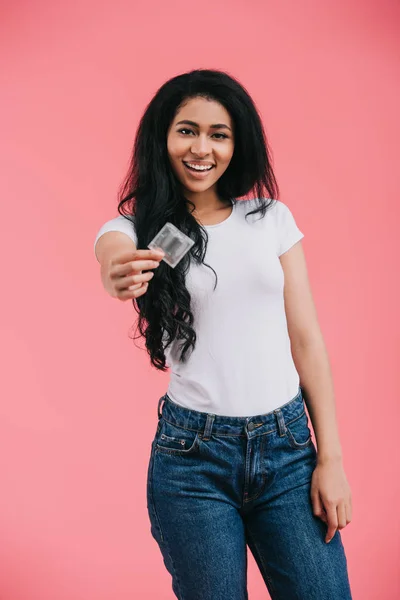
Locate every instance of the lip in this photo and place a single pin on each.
(198, 174)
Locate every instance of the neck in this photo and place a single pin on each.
(205, 202)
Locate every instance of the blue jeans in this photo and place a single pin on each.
(217, 484)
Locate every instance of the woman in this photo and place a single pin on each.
(232, 461)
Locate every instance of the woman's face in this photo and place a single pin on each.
(200, 135)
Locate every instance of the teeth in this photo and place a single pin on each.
(198, 167)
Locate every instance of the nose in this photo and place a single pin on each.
(201, 146)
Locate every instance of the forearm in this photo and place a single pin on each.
(109, 246)
(112, 244)
(312, 364)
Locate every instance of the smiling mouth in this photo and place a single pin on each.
(198, 168)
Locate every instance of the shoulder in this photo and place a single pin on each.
(120, 223)
(281, 213)
(276, 210)
(273, 207)
(277, 217)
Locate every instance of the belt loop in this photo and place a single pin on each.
(158, 407)
(208, 427)
(281, 422)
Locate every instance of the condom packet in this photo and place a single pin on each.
(173, 243)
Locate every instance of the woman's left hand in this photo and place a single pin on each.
(331, 496)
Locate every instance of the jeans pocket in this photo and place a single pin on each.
(172, 439)
(298, 432)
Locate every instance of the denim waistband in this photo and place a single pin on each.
(219, 424)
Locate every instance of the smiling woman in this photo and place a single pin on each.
(232, 460)
(201, 153)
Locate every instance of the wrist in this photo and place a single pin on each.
(329, 457)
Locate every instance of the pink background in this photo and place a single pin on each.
(78, 400)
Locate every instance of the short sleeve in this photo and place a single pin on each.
(288, 232)
(121, 224)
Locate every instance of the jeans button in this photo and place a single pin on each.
(251, 426)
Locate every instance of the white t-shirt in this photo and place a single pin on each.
(242, 363)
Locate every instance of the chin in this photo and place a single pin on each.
(198, 188)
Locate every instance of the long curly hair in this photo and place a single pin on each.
(151, 195)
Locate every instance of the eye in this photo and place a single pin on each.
(184, 129)
(221, 136)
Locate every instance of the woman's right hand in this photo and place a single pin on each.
(128, 274)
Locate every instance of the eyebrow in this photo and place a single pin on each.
(216, 126)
